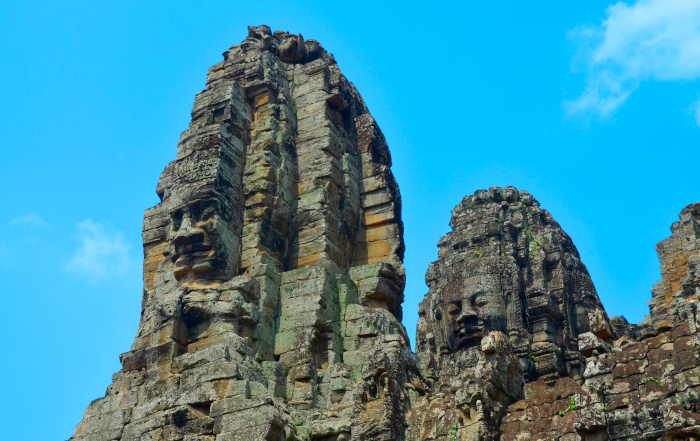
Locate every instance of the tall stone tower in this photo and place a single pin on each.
(273, 275)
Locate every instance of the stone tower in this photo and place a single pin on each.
(273, 275)
(508, 266)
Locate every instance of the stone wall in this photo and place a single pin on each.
(632, 390)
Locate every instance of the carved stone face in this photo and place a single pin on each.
(197, 254)
(291, 48)
(473, 308)
(259, 38)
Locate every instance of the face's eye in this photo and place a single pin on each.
(196, 211)
(207, 213)
(454, 308)
(480, 302)
(177, 219)
(202, 211)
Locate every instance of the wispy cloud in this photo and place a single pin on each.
(29, 219)
(102, 254)
(655, 40)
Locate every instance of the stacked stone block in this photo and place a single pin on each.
(680, 264)
(381, 237)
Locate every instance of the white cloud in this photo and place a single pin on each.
(656, 40)
(29, 219)
(102, 254)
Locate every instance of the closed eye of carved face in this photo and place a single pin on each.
(480, 301)
(197, 212)
(208, 213)
(454, 308)
(177, 219)
(202, 211)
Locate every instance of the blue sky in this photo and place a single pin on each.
(591, 107)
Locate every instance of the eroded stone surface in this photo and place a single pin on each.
(273, 285)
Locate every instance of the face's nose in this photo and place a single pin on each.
(468, 313)
(187, 234)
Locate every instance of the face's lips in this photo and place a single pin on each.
(468, 333)
(470, 330)
(206, 265)
(191, 251)
(182, 265)
(468, 340)
(187, 258)
(186, 262)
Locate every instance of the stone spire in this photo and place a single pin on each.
(273, 275)
(508, 266)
